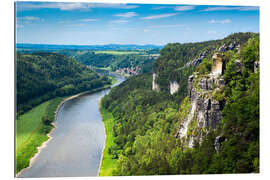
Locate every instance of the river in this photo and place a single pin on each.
(76, 145)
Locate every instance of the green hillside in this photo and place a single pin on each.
(42, 76)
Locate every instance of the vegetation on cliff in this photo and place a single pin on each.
(172, 63)
(146, 121)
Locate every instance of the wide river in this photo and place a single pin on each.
(76, 146)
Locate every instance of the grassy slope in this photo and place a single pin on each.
(28, 123)
(29, 134)
(108, 164)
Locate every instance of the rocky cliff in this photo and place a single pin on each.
(218, 65)
(205, 112)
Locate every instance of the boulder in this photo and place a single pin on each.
(256, 66)
(238, 65)
(218, 141)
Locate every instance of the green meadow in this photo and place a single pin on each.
(31, 132)
(108, 163)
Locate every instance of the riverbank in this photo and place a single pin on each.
(107, 162)
(38, 139)
(31, 133)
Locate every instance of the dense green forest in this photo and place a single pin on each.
(146, 121)
(125, 59)
(43, 76)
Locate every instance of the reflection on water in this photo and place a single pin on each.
(77, 142)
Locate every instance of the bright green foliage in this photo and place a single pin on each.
(204, 67)
(250, 53)
(108, 162)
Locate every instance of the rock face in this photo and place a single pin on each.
(198, 60)
(205, 111)
(256, 66)
(208, 110)
(155, 86)
(217, 64)
(174, 86)
(231, 46)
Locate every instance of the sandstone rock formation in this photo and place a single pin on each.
(217, 64)
(174, 86)
(155, 86)
(205, 111)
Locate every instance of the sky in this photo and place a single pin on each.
(73, 23)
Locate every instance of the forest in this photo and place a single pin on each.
(43, 76)
(114, 60)
(146, 121)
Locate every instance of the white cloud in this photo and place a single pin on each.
(65, 6)
(184, 8)
(26, 20)
(75, 25)
(160, 16)
(88, 20)
(78, 20)
(212, 32)
(159, 7)
(127, 15)
(225, 21)
(146, 30)
(167, 26)
(224, 8)
(119, 21)
(29, 18)
(19, 25)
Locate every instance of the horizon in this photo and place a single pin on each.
(130, 44)
(75, 23)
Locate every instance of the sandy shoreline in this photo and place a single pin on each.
(44, 144)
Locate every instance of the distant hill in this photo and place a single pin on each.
(54, 47)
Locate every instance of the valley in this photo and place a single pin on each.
(171, 114)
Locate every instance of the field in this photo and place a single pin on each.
(108, 164)
(31, 133)
(117, 52)
(28, 123)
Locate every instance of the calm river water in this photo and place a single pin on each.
(76, 145)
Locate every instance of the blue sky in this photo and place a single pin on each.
(97, 23)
